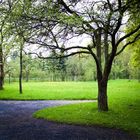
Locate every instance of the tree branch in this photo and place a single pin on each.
(57, 57)
(130, 42)
(73, 12)
(110, 6)
(66, 7)
(127, 35)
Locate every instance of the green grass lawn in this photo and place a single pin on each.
(50, 91)
(124, 109)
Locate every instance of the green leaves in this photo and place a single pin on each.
(70, 20)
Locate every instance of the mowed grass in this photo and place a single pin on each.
(50, 91)
(124, 109)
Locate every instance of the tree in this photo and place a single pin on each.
(5, 32)
(3, 15)
(18, 34)
(101, 21)
(53, 66)
(21, 65)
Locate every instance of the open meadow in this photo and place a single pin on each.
(50, 91)
(117, 89)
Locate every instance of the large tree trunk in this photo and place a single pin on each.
(102, 77)
(102, 95)
(1, 69)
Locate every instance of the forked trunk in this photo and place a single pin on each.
(102, 96)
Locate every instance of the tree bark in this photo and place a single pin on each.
(1, 69)
(102, 77)
(20, 74)
(102, 96)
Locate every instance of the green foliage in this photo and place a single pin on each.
(134, 22)
(135, 61)
(66, 69)
(136, 57)
(83, 70)
(71, 20)
(124, 110)
(121, 67)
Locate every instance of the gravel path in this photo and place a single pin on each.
(16, 123)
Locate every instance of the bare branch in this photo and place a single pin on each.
(128, 43)
(127, 35)
(57, 57)
(119, 4)
(110, 6)
(118, 25)
(66, 7)
(73, 12)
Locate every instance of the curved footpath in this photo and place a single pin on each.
(17, 123)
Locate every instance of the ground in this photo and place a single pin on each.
(17, 123)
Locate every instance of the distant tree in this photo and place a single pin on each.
(62, 65)
(77, 71)
(56, 67)
(27, 66)
(72, 68)
(120, 68)
(12, 66)
(134, 21)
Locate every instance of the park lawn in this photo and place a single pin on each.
(124, 109)
(50, 91)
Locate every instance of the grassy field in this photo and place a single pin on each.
(124, 109)
(50, 91)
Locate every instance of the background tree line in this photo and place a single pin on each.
(65, 69)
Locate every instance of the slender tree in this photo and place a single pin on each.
(21, 65)
(6, 8)
(4, 15)
(1, 63)
(2, 23)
